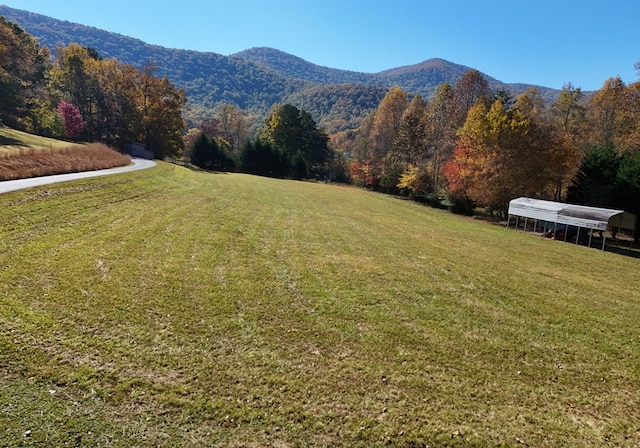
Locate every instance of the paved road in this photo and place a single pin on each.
(19, 184)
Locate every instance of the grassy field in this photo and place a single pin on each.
(12, 140)
(168, 307)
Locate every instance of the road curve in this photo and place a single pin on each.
(19, 184)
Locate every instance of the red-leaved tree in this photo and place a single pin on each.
(72, 119)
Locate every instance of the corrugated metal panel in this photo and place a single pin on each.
(542, 215)
(534, 208)
(582, 222)
(590, 213)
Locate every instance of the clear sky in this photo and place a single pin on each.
(548, 43)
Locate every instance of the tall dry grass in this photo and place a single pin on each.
(44, 162)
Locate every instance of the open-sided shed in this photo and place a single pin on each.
(567, 215)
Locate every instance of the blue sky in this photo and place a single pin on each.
(545, 42)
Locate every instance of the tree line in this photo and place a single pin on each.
(290, 144)
(468, 146)
(79, 96)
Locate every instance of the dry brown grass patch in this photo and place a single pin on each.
(44, 162)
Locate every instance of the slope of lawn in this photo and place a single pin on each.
(11, 140)
(175, 308)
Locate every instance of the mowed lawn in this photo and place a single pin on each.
(170, 307)
(12, 140)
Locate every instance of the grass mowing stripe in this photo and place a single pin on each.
(169, 307)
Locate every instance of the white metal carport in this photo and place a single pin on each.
(579, 216)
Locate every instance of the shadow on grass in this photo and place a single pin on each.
(203, 170)
(10, 141)
(620, 247)
(621, 250)
(624, 246)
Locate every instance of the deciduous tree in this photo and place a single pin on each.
(381, 157)
(233, 125)
(569, 112)
(73, 81)
(440, 132)
(542, 152)
(410, 142)
(118, 117)
(604, 112)
(496, 159)
(71, 118)
(163, 120)
(628, 138)
(472, 88)
(568, 115)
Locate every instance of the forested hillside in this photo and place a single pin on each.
(340, 106)
(422, 78)
(297, 68)
(255, 79)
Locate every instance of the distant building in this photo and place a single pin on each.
(135, 149)
(568, 219)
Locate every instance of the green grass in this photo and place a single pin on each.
(168, 307)
(12, 140)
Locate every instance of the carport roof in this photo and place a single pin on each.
(575, 215)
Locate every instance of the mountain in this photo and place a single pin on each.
(297, 68)
(257, 78)
(422, 78)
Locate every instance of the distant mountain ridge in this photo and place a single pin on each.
(295, 67)
(420, 78)
(256, 78)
